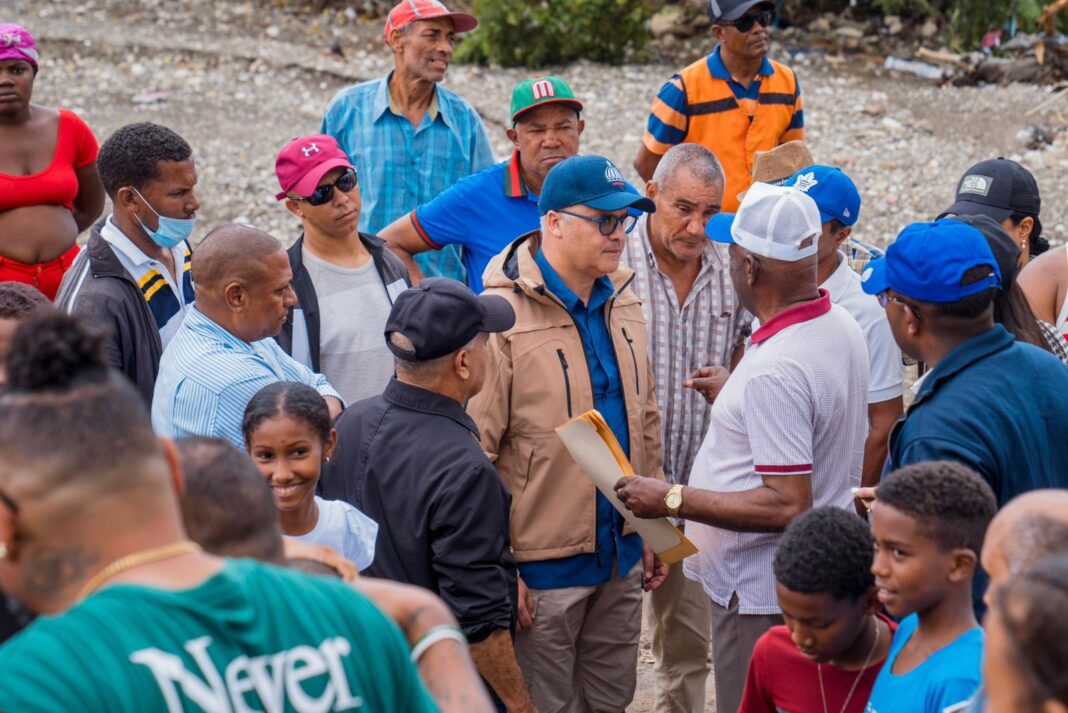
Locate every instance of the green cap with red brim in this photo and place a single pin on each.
(538, 91)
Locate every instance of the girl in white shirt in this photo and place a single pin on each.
(288, 435)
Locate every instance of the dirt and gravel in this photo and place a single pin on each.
(239, 79)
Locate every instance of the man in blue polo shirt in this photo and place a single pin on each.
(988, 401)
(485, 212)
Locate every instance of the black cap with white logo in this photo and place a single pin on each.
(996, 188)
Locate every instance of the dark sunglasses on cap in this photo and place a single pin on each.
(745, 22)
(325, 193)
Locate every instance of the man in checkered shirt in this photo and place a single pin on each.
(696, 324)
(787, 430)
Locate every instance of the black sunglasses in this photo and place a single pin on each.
(325, 193)
(745, 23)
(607, 224)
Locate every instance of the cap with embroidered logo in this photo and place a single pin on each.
(774, 221)
(928, 262)
(538, 91)
(834, 192)
(409, 11)
(996, 188)
(592, 181)
(304, 161)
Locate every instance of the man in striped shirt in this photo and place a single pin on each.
(223, 353)
(734, 102)
(695, 322)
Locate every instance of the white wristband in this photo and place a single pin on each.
(436, 635)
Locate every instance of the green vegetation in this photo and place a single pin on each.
(536, 33)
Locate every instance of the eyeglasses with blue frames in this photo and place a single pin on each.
(325, 193)
(607, 224)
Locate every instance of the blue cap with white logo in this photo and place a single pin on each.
(834, 192)
(592, 181)
(928, 262)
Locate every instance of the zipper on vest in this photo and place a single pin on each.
(633, 358)
(567, 380)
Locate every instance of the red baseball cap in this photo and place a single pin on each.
(408, 11)
(304, 161)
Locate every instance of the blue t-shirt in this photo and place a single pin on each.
(614, 553)
(943, 683)
(483, 213)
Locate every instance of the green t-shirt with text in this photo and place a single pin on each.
(251, 638)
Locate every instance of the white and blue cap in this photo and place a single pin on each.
(774, 221)
(834, 192)
(928, 262)
(592, 181)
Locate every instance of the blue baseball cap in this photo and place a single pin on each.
(718, 227)
(834, 192)
(592, 181)
(928, 261)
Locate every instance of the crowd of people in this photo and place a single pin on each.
(327, 477)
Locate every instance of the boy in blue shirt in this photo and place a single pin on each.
(928, 524)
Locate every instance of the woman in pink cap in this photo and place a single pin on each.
(49, 187)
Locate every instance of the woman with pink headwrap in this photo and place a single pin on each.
(49, 187)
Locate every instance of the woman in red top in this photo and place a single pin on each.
(49, 187)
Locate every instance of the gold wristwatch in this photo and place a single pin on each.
(673, 499)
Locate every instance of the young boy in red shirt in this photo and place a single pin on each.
(828, 654)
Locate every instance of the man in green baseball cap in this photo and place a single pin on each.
(483, 213)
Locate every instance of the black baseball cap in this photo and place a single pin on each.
(1006, 251)
(732, 10)
(996, 188)
(440, 316)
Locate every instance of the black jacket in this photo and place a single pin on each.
(98, 288)
(411, 460)
(304, 318)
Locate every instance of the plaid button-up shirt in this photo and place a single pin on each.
(400, 166)
(703, 331)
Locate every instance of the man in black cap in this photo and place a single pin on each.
(410, 458)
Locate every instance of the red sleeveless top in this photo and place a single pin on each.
(57, 184)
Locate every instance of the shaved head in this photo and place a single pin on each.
(231, 253)
(1028, 529)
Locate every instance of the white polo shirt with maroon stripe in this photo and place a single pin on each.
(795, 405)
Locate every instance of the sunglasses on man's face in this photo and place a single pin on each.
(745, 23)
(325, 193)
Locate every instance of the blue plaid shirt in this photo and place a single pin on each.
(207, 376)
(401, 167)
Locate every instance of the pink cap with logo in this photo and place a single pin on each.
(16, 42)
(304, 161)
(408, 11)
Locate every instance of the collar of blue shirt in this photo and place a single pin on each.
(438, 108)
(719, 70)
(965, 355)
(203, 325)
(602, 288)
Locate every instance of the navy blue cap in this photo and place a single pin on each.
(928, 261)
(996, 188)
(834, 192)
(592, 181)
(718, 227)
(441, 316)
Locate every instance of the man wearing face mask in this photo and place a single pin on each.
(133, 277)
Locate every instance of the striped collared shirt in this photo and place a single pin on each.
(401, 166)
(207, 376)
(703, 331)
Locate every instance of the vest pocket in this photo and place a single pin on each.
(634, 360)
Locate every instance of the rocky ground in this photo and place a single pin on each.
(239, 79)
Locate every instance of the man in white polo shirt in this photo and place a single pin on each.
(787, 430)
(837, 198)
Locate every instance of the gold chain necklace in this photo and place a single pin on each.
(853, 688)
(136, 559)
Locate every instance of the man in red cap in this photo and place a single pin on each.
(408, 137)
(345, 280)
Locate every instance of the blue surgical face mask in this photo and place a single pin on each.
(171, 231)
